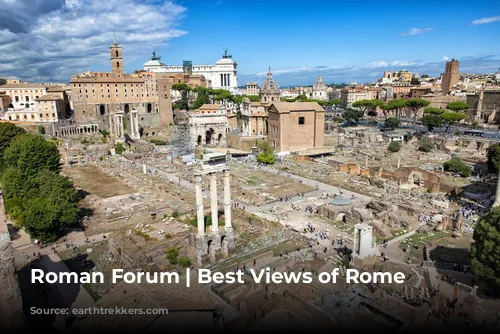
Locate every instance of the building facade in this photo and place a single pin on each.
(254, 118)
(98, 95)
(351, 94)
(222, 75)
(450, 76)
(319, 90)
(295, 126)
(484, 107)
(208, 125)
(252, 88)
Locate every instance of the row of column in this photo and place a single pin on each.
(200, 211)
(225, 80)
(78, 130)
(117, 128)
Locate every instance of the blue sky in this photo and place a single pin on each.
(342, 40)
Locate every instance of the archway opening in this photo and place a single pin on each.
(219, 139)
(199, 140)
(149, 108)
(126, 108)
(11, 105)
(209, 136)
(102, 110)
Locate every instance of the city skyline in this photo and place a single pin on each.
(49, 41)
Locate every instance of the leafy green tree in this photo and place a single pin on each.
(452, 118)
(352, 115)
(426, 146)
(435, 111)
(458, 166)
(8, 132)
(432, 121)
(201, 99)
(180, 87)
(415, 105)
(386, 109)
(334, 102)
(31, 153)
(183, 103)
(424, 76)
(264, 146)
(397, 105)
(457, 106)
(493, 156)
(253, 98)
(367, 105)
(224, 95)
(392, 122)
(415, 81)
(266, 158)
(485, 251)
(394, 146)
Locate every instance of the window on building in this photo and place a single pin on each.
(53, 115)
(41, 115)
(117, 64)
(116, 53)
(32, 116)
(16, 98)
(301, 120)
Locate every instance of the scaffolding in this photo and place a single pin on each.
(182, 139)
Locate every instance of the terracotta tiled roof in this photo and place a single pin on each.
(286, 107)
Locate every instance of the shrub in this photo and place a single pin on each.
(41, 130)
(172, 255)
(184, 262)
(175, 214)
(142, 234)
(266, 158)
(158, 142)
(394, 146)
(426, 146)
(458, 166)
(119, 149)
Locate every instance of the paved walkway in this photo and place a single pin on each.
(74, 295)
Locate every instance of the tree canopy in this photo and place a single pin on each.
(8, 132)
(425, 146)
(458, 166)
(494, 158)
(365, 105)
(180, 87)
(352, 115)
(392, 122)
(485, 251)
(457, 106)
(432, 110)
(452, 118)
(432, 121)
(36, 196)
(394, 146)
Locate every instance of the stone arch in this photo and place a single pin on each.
(209, 136)
(341, 217)
(126, 108)
(11, 105)
(199, 141)
(102, 110)
(149, 108)
(219, 138)
(211, 250)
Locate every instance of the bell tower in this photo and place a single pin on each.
(116, 59)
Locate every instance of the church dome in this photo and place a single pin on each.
(270, 85)
(319, 85)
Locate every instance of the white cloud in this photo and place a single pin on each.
(396, 63)
(368, 72)
(416, 31)
(446, 58)
(74, 36)
(485, 20)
